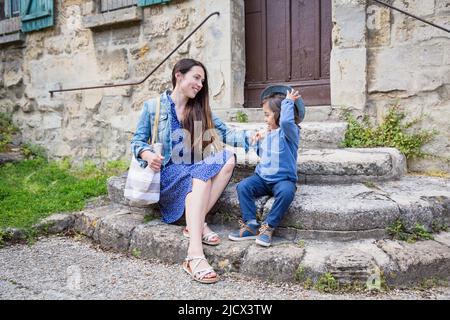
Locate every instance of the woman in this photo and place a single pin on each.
(193, 175)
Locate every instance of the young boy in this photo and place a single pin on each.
(276, 174)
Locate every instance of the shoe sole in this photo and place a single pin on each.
(232, 238)
(262, 243)
(204, 241)
(205, 281)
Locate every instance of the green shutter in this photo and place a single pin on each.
(36, 14)
(144, 3)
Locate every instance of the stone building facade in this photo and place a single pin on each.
(378, 58)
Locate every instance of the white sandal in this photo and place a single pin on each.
(199, 275)
(207, 238)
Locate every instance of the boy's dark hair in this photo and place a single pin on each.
(274, 104)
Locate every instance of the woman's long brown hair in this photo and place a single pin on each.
(197, 109)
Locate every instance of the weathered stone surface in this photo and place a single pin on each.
(349, 207)
(323, 235)
(12, 75)
(114, 231)
(335, 166)
(350, 23)
(423, 200)
(367, 262)
(56, 223)
(416, 261)
(114, 63)
(346, 213)
(228, 256)
(11, 157)
(156, 240)
(349, 262)
(348, 69)
(87, 220)
(277, 263)
(443, 238)
(350, 266)
(378, 25)
(131, 14)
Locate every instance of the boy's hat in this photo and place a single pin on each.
(282, 89)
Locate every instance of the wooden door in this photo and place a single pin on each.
(288, 42)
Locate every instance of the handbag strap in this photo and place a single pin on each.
(155, 126)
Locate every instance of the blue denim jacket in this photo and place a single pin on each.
(144, 130)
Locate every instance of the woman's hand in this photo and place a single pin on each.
(293, 95)
(258, 136)
(154, 160)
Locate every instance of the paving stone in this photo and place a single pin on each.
(276, 263)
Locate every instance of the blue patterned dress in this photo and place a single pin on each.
(176, 178)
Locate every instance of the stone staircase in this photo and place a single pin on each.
(345, 201)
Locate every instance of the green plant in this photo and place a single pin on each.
(308, 283)
(31, 190)
(420, 233)
(300, 273)
(301, 243)
(148, 218)
(398, 231)
(32, 151)
(241, 117)
(7, 129)
(136, 252)
(3, 237)
(437, 227)
(327, 283)
(391, 132)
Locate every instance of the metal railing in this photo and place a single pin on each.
(182, 42)
(151, 72)
(411, 15)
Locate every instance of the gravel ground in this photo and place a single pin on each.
(74, 268)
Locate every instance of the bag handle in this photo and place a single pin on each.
(155, 126)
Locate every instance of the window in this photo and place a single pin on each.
(111, 5)
(9, 9)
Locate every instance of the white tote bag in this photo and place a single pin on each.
(143, 184)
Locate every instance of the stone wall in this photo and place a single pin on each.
(383, 58)
(80, 51)
(379, 58)
(409, 65)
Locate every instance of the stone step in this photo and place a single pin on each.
(367, 262)
(344, 213)
(13, 156)
(313, 113)
(313, 134)
(335, 166)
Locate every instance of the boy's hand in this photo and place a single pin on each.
(293, 95)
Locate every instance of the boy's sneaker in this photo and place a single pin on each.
(247, 231)
(265, 235)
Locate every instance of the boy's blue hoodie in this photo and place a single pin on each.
(278, 150)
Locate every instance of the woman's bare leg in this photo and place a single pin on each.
(196, 204)
(220, 181)
(218, 184)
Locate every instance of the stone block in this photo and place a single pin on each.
(115, 230)
(350, 24)
(277, 263)
(348, 69)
